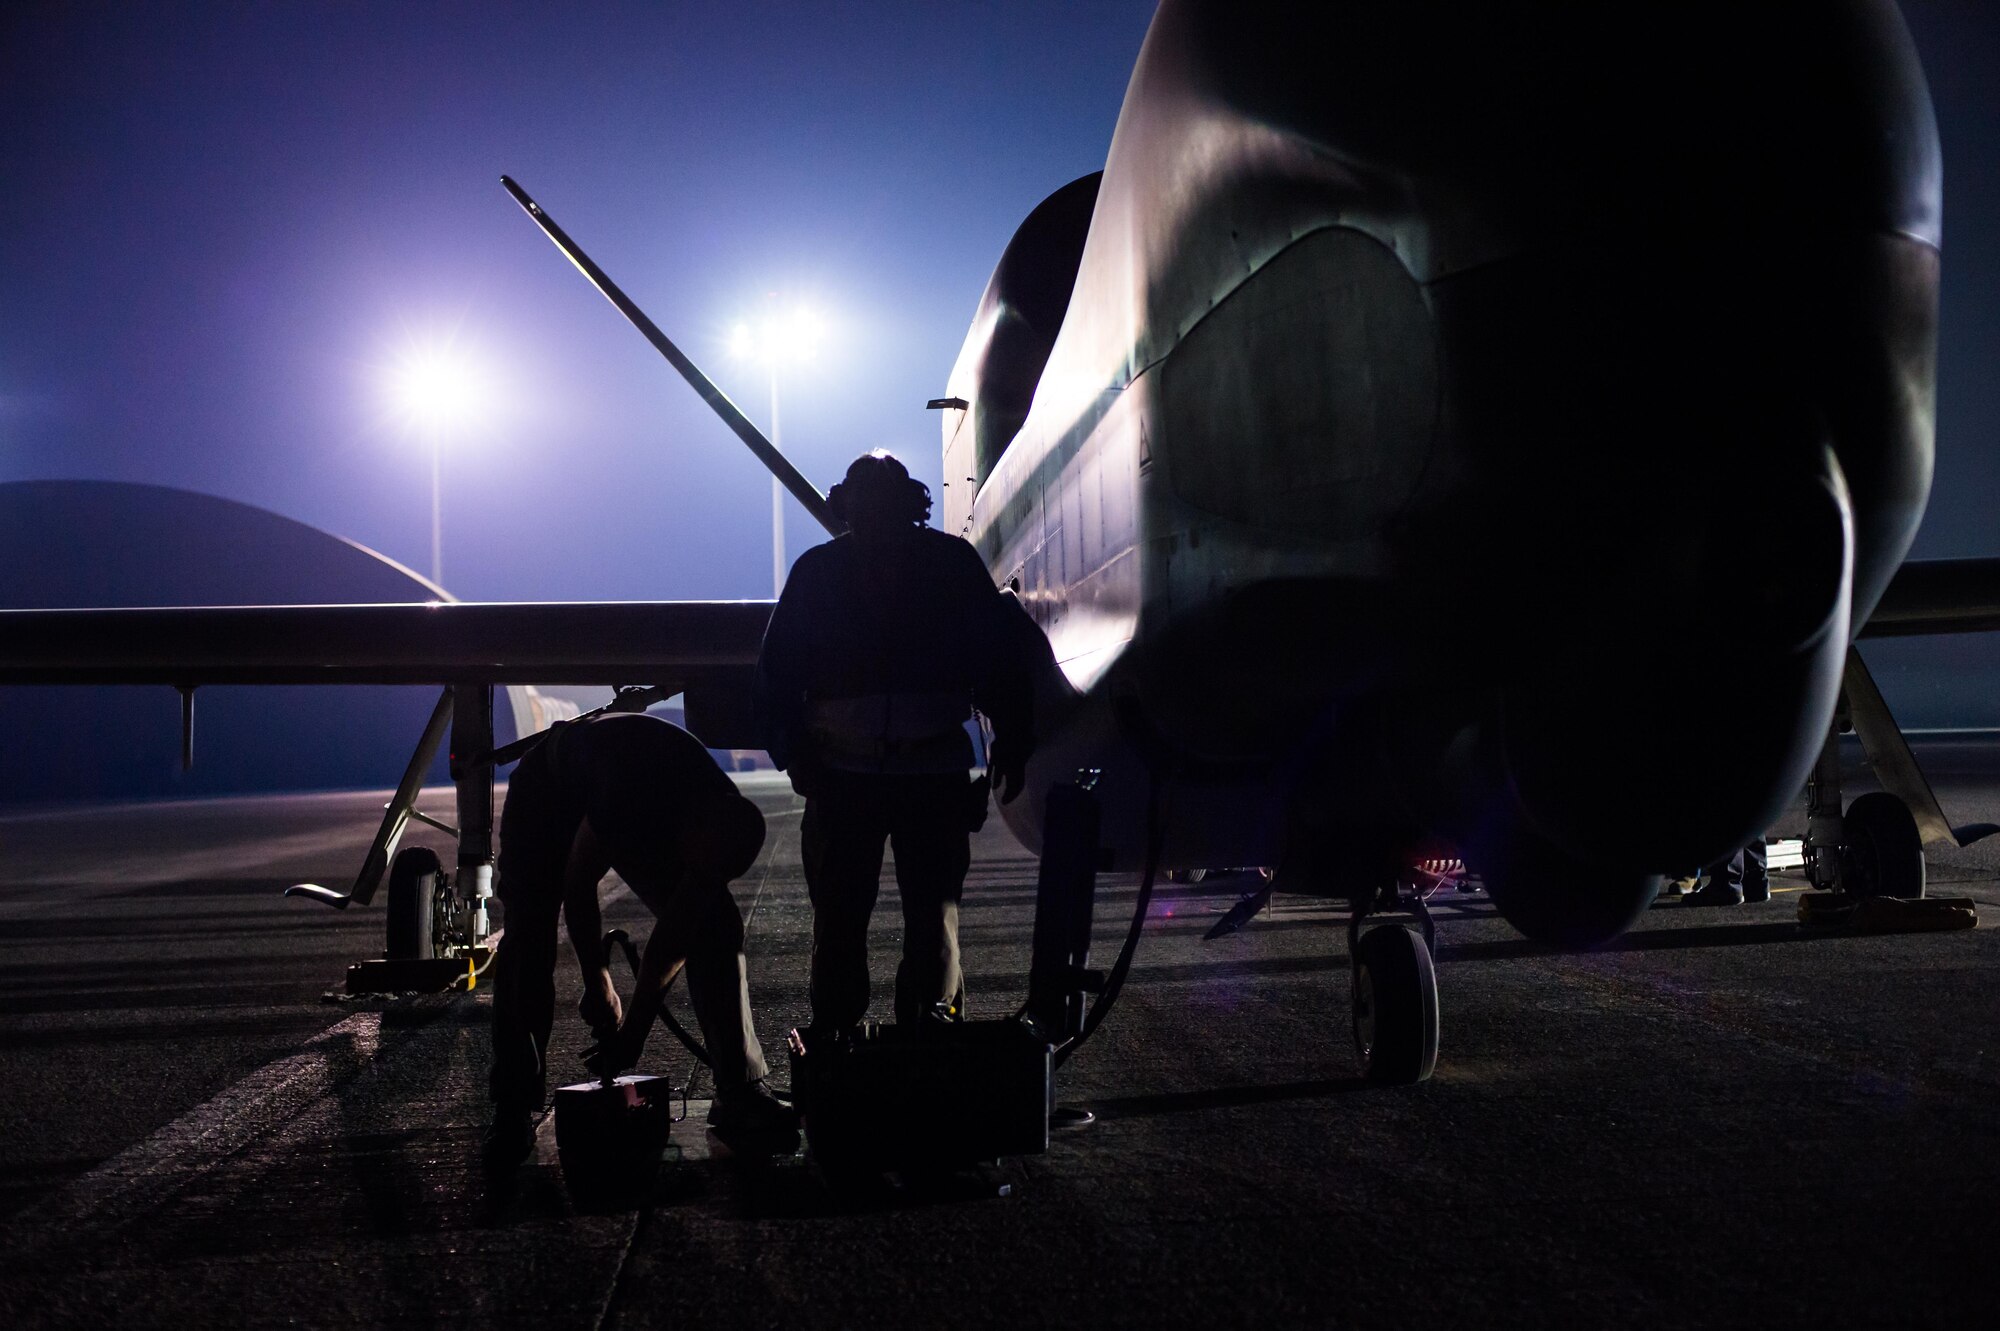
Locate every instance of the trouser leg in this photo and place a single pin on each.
(841, 842)
(719, 988)
(535, 835)
(1756, 871)
(1727, 873)
(933, 851)
(524, 995)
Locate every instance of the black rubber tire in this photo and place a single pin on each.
(1885, 852)
(413, 882)
(1395, 1007)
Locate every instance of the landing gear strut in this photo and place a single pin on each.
(437, 922)
(1395, 991)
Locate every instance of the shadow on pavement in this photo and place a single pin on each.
(1649, 940)
(1223, 1097)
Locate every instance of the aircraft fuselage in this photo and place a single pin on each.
(1486, 430)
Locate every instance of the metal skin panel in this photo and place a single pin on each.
(1433, 379)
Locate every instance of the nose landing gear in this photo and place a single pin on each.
(1395, 991)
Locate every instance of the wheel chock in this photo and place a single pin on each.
(1886, 915)
(416, 975)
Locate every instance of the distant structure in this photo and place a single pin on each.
(111, 543)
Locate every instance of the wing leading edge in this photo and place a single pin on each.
(582, 642)
(1939, 596)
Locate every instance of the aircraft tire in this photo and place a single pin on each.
(1395, 1007)
(413, 880)
(1885, 852)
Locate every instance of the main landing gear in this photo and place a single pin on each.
(437, 925)
(1395, 989)
(1874, 849)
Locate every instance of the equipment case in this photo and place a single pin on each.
(928, 1096)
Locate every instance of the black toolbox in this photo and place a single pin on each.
(932, 1095)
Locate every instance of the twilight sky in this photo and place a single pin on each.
(226, 223)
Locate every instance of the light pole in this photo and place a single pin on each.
(437, 504)
(776, 341)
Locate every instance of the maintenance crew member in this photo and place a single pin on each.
(883, 642)
(1735, 879)
(640, 795)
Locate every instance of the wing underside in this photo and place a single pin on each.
(608, 642)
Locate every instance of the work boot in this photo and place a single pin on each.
(510, 1138)
(749, 1120)
(1713, 893)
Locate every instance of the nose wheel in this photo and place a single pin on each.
(1395, 1002)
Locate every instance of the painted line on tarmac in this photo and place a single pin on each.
(148, 1174)
(151, 1172)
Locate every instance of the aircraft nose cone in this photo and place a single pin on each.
(1678, 732)
(1770, 564)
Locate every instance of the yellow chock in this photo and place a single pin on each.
(1886, 915)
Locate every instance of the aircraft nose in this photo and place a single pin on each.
(1769, 563)
(1678, 731)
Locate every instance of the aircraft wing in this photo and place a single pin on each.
(1938, 596)
(583, 642)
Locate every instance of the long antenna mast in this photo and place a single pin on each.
(780, 466)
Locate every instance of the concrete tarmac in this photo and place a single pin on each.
(1719, 1120)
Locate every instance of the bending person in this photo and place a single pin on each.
(642, 796)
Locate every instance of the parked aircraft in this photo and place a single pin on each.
(1362, 438)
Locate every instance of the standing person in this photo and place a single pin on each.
(637, 794)
(880, 647)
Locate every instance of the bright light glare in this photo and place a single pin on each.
(792, 337)
(440, 388)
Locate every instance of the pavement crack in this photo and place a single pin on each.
(614, 1297)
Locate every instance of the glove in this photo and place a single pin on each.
(599, 1006)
